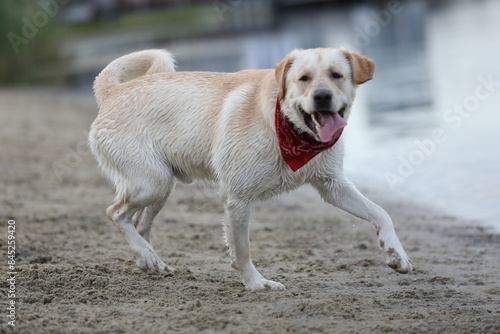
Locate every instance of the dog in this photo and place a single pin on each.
(256, 133)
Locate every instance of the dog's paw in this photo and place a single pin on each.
(170, 269)
(148, 260)
(398, 260)
(262, 283)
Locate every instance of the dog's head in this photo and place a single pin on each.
(316, 88)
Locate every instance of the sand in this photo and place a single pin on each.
(75, 273)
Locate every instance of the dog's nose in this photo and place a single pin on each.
(323, 95)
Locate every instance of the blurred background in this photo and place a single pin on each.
(425, 129)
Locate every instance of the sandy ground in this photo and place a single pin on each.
(76, 274)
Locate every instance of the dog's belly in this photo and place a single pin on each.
(190, 170)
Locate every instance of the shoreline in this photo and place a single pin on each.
(412, 197)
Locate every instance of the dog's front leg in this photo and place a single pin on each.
(344, 195)
(236, 228)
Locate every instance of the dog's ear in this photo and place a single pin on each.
(362, 67)
(281, 71)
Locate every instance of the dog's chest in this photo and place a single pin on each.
(273, 182)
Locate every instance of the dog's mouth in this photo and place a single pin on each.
(325, 123)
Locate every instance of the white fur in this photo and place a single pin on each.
(156, 127)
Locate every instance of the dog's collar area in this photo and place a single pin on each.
(298, 149)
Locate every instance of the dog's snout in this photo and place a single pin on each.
(323, 95)
(323, 98)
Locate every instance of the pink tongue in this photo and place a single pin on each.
(329, 124)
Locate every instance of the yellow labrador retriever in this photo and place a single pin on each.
(257, 133)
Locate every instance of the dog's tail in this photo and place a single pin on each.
(130, 67)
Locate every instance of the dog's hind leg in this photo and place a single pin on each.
(236, 230)
(140, 197)
(121, 214)
(143, 179)
(143, 219)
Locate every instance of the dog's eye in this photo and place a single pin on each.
(336, 75)
(304, 78)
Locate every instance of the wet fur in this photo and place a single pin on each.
(156, 126)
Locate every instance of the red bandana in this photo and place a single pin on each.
(297, 150)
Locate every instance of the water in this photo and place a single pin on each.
(407, 136)
(426, 127)
(456, 77)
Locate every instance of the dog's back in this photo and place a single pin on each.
(155, 124)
